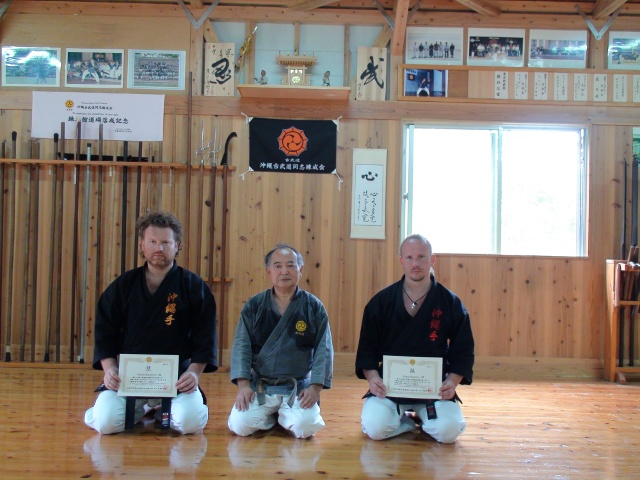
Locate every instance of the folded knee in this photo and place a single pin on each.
(376, 429)
(446, 432)
(239, 423)
(190, 423)
(106, 423)
(447, 436)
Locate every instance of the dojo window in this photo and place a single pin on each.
(497, 190)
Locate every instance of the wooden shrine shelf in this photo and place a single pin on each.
(287, 92)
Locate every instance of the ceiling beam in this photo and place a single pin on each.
(400, 27)
(306, 5)
(605, 8)
(482, 7)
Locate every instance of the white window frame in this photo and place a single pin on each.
(582, 222)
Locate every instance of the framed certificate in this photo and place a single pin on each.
(412, 377)
(148, 375)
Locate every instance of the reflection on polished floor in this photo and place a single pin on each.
(516, 430)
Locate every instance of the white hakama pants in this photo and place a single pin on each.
(382, 419)
(302, 422)
(189, 414)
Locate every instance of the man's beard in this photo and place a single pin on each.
(159, 261)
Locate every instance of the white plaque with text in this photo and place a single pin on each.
(522, 86)
(412, 377)
(148, 375)
(620, 88)
(560, 87)
(580, 87)
(501, 85)
(541, 86)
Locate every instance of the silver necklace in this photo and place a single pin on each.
(414, 303)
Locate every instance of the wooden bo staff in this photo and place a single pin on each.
(200, 202)
(99, 212)
(123, 235)
(212, 218)
(74, 269)
(59, 210)
(2, 173)
(85, 255)
(634, 258)
(149, 171)
(138, 188)
(35, 154)
(12, 225)
(25, 281)
(623, 233)
(188, 206)
(111, 220)
(52, 234)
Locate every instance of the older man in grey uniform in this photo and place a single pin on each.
(282, 356)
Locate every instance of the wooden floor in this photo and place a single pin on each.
(516, 430)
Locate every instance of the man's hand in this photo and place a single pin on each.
(245, 395)
(188, 381)
(111, 378)
(376, 386)
(310, 396)
(448, 388)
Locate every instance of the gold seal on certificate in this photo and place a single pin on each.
(148, 375)
(412, 377)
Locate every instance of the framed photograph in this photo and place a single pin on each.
(495, 46)
(434, 46)
(557, 48)
(156, 69)
(422, 83)
(89, 68)
(624, 50)
(30, 67)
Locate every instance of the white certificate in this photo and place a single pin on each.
(412, 377)
(148, 375)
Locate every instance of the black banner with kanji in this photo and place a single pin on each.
(292, 146)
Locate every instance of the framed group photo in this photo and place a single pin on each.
(496, 47)
(434, 46)
(89, 68)
(422, 83)
(156, 69)
(557, 48)
(624, 51)
(30, 67)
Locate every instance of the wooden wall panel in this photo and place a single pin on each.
(520, 306)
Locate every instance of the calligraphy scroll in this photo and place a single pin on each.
(219, 73)
(369, 185)
(371, 79)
